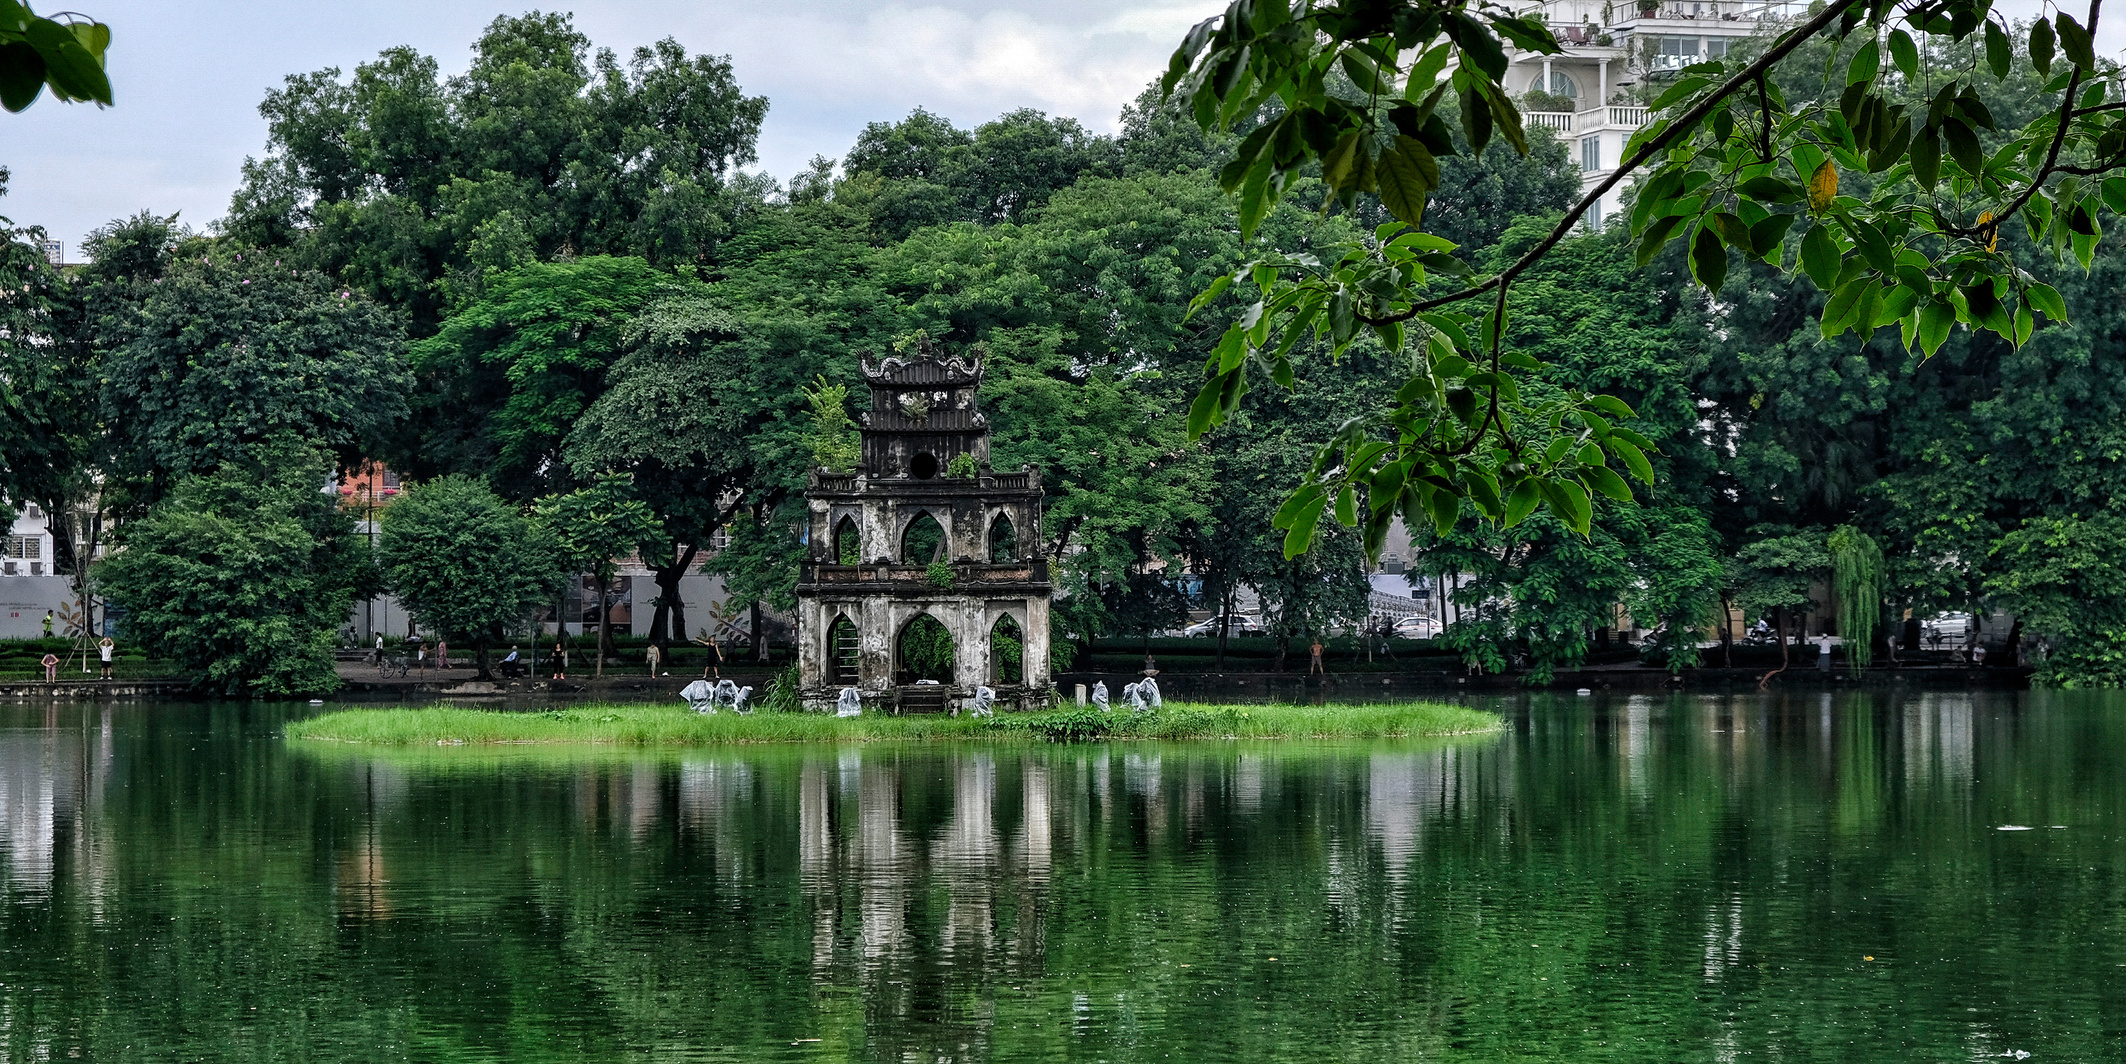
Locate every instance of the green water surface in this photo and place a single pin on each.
(1780, 877)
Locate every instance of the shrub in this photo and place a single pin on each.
(1072, 726)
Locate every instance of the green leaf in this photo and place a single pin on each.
(1935, 320)
(1606, 481)
(1998, 54)
(1768, 189)
(1656, 237)
(1364, 74)
(1476, 115)
(2075, 43)
(1301, 535)
(21, 75)
(1904, 53)
(1838, 311)
(1819, 256)
(1295, 503)
(2048, 302)
(1611, 405)
(2041, 46)
(1446, 508)
(1424, 74)
(1521, 502)
(1865, 63)
(1926, 157)
(1963, 146)
(1347, 507)
(1569, 501)
(1341, 163)
(1476, 42)
(1407, 174)
(2114, 190)
(1708, 258)
(1634, 459)
(1766, 234)
(1870, 242)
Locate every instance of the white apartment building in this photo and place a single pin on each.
(1616, 56)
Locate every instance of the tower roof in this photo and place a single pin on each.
(926, 370)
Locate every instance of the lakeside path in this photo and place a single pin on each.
(638, 725)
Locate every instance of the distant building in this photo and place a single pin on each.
(55, 252)
(370, 485)
(1617, 54)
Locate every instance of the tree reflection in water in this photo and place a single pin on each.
(1643, 878)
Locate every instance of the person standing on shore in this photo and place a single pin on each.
(1315, 650)
(560, 661)
(51, 667)
(105, 649)
(442, 653)
(655, 657)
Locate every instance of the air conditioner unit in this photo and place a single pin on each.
(9, 568)
(36, 568)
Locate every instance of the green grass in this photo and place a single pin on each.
(641, 725)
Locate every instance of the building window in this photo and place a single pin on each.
(1715, 47)
(1675, 53)
(25, 546)
(1591, 153)
(1593, 217)
(1561, 84)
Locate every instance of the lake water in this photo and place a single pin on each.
(1794, 877)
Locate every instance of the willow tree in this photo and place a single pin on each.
(1857, 584)
(1731, 163)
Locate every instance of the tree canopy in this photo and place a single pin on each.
(243, 577)
(466, 564)
(1745, 154)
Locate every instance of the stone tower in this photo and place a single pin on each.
(924, 536)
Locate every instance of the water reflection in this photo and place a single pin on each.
(1642, 878)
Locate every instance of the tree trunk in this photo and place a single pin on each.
(1225, 620)
(1727, 633)
(602, 588)
(479, 653)
(669, 624)
(760, 641)
(1779, 622)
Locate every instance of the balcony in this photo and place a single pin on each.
(1594, 118)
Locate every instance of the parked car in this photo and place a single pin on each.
(1417, 627)
(1242, 624)
(1945, 630)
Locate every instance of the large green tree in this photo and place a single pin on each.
(506, 379)
(216, 359)
(242, 577)
(465, 563)
(420, 188)
(47, 397)
(594, 529)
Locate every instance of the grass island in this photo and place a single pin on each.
(650, 724)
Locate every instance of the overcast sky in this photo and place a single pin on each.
(188, 76)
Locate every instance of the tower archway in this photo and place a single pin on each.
(924, 541)
(924, 651)
(844, 646)
(1007, 652)
(848, 542)
(1003, 541)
